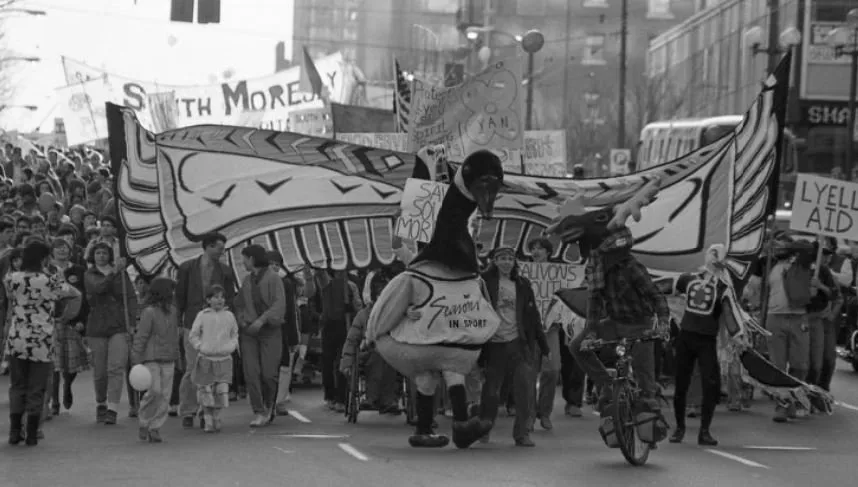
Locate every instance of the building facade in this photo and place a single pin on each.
(709, 60)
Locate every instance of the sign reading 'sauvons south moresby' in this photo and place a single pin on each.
(825, 206)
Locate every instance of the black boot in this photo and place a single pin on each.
(33, 421)
(68, 398)
(16, 427)
(704, 438)
(424, 436)
(466, 430)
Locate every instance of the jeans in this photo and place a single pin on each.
(572, 375)
(28, 382)
(261, 361)
(643, 356)
(334, 383)
(816, 343)
(548, 374)
(110, 359)
(701, 350)
(503, 359)
(829, 354)
(156, 402)
(789, 345)
(188, 405)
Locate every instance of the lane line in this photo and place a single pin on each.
(314, 437)
(353, 452)
(300, 417)
(282, 450)
(779, 448)
(847, 406)
(737, 458)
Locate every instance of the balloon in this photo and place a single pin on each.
(46, 202)
(140, 378)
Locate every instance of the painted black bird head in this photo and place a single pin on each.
(479, 180)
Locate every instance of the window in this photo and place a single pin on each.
(531, 7)
(595, 3)
(594, 51)
(658, 9)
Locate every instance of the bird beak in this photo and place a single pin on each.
(485, 191)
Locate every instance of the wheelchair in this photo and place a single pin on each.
(357, 391)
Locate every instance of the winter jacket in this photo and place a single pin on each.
(527, 316)
(214, 333)
(107, 311)
(157, 337)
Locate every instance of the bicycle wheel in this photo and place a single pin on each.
(634, 450)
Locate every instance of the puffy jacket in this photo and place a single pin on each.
(157, 337)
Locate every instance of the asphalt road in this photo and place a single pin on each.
(754, 451)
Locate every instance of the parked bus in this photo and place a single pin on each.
(665, 141)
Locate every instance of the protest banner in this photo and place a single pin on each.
(311, 121)
(421, 202)
(162, 111)
(351, 119)
(266, 102)
(544, 153)
(825, 206)
(82, 108)
(484, 112)
(546, 278)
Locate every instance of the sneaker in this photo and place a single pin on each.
(110, 417)
(100, 413)
(525, 441)
(143, 433)
(282, 409)
(678, 435)
(173, 411)
(155, 436)
(545, 422)
(573, 411)
(259, 421)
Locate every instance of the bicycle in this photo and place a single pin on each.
(626, 395)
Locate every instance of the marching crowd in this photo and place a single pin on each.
(207, 340)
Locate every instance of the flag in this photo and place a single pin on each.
(310, 81)
(401, 100)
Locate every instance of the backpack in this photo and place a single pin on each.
(796, 279)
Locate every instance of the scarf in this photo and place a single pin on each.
(595, 270)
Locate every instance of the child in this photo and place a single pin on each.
(156, 346)
(214, 335)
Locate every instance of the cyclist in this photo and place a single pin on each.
(624, 302)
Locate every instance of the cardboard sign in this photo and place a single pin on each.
(547, 278)
(825, 206)
(421, 202)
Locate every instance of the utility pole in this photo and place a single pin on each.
(774, 29)
(487, 24)
(621, 105)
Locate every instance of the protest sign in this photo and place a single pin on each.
(484, 112)
(388, 141)
(825, 206)
(311, 121)
(547, 278)
(421, 202)
(266, 102)
(82, 108)
(350, 118)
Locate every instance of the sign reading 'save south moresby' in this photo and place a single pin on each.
(825, 207)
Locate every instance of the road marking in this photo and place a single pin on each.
(314, 437)
(300, 417)
(353, 452)
(737, 458)
(847, 406)
(282, 450)
(779, 448)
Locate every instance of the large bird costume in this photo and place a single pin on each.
(443, 285)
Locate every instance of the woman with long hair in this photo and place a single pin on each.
(29, 347)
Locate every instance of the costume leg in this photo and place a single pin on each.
(684, 364)
(424, 436)
(710, 375)
(466, 430)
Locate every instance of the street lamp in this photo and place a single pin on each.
(31, 108)
(531, 42)
(844, 40)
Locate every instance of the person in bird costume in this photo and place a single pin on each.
(443, 286)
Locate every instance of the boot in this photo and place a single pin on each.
(68, 398)
(16, 426)
(283, 396)
(704, 438)
(424, 436)
(678, 434)
(33, 421)
(55, 395)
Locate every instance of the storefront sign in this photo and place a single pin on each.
(815, 113)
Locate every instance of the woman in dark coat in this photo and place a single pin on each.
(291, 332)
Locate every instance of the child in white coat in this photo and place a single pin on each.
(214, 335)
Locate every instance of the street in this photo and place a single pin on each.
(315, 447)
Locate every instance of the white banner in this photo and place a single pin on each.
(82, 108)
(260, 102)
(825, 206)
